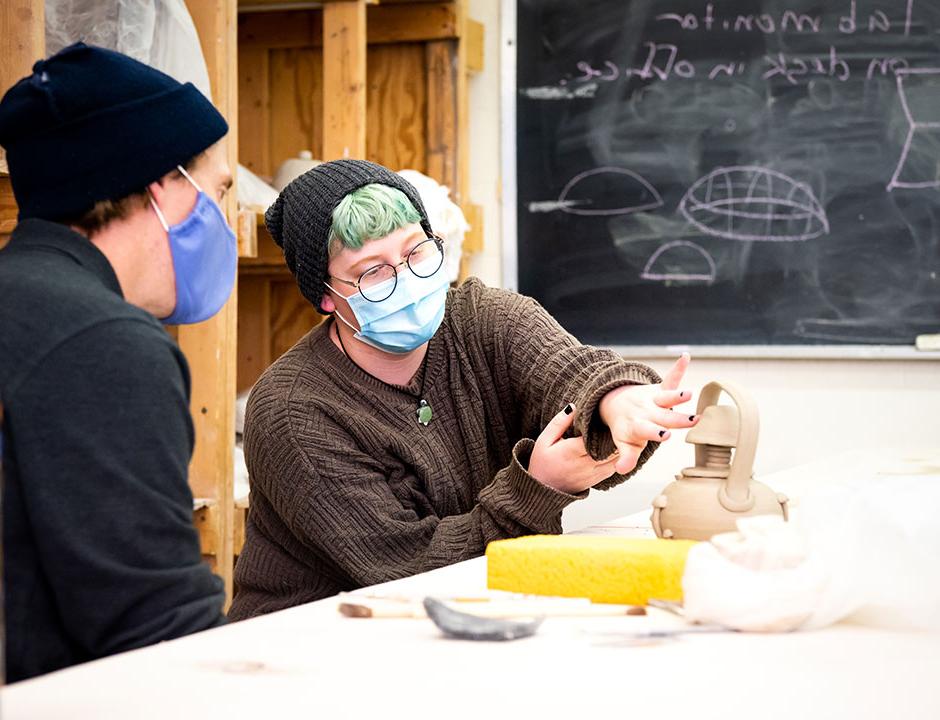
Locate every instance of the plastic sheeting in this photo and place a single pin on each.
(159, 33)
(866, 551)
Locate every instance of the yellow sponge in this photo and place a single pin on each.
(602, 568)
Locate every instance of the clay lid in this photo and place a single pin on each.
(717, 426)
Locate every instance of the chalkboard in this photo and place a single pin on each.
(730, 173)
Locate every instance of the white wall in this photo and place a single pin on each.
(484, 111)
(809, 408)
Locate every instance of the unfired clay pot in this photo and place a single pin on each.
(708, 498)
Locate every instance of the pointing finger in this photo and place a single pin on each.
(674, 376)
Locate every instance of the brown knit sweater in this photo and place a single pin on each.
(348, 490)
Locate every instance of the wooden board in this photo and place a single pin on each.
(8, 209)
(254, 110)
(397, 106)
(22, 42)
(344, 79)
(292, 316)
(254, 329)
(209, 346)
(384, 24)
(296, 109)
(474, 40)
(442, 114)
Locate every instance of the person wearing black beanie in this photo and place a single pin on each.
(117, 170)
(420, 422)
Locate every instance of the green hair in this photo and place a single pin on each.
(368, 213)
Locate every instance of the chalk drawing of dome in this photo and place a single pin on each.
(680, 261)
(754, 203)
(608, 191)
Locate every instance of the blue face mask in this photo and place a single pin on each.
(205, 259)
(407, 319)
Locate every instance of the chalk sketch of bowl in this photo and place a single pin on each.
(608, 191)
(680, 261)
(754, 203)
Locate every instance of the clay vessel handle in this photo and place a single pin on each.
(736, 490)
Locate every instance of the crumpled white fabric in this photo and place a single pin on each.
(253, 191)
(445, 216)
(867, 551)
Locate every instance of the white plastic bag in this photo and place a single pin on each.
(253, 191)
(159, 33)
(866, 550)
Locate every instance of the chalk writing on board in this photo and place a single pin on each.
(920, 133)
(850, 22)
(664, 62)
(680, 261)
(553, 92)
(603, 191)
(754, 203)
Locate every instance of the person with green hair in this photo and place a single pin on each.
(419, 422)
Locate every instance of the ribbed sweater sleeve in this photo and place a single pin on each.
(545, 367)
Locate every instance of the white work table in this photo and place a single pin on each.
(311, 662)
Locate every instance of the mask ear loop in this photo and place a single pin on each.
(159, 213)
(188, 177)
(336, 312)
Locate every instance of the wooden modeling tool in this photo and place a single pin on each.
(363, 606)
(708, 498)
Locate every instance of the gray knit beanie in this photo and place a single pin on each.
(300, 218)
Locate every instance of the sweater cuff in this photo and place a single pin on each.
(596, 434)
(518, 495)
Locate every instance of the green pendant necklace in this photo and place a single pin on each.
(423, 411)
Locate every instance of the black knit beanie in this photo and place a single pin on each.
(301, 217)
(92, 124)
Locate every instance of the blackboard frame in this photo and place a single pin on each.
(509, 246)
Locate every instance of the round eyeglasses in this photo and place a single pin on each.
(379, 281)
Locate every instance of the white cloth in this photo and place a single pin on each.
(445, 216)
(253, 191)
(867, 551)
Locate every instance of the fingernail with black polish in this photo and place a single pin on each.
(682, 394)
(568, 409)
(661, 433)
(691, 418)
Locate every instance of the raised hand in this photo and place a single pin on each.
(563, 463)
(638, 414)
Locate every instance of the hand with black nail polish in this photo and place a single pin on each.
(640, 414)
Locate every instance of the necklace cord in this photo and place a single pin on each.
(402, 388)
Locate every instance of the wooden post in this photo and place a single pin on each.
(22, 43)
(344, 79)
(442, 120)
(210, 346)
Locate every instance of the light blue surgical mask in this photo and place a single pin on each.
(404, 321)
(205, 259)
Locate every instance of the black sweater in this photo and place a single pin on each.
(99, 551)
